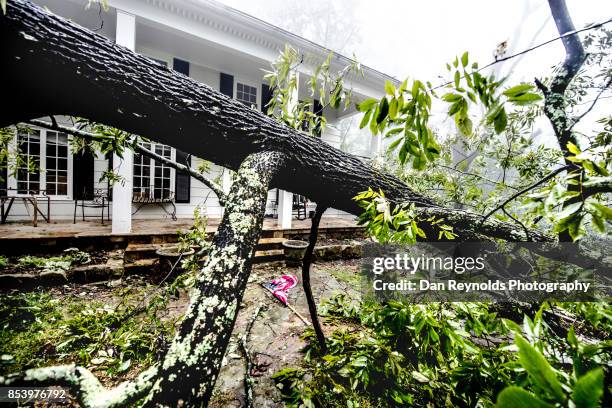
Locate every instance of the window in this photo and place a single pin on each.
(153, 179)
(28, 144)
(49, 152)
(56, 169)
(161, 180)
(142, 173)
(246, 94)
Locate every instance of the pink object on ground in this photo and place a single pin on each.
(281, 286)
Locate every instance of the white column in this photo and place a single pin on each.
(285, 198)
(124, 167)
(285, 209)
(375, 145)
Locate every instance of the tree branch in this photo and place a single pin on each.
(597, 97)
(189, 369)
(84, 386)
(248, 362)
(47, 51)
(527, 189)
(139, 149)
(306, 265)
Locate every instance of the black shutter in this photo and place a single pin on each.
(226, 86)
(180, 66)
(266, 96)
(3, 179)
(317, 108)
(4, 175)
(82, 175)
(182, 180)
(111, 167)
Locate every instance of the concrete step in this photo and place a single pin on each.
(269, 255)
(270, 243)
(139, 266)
(135, 252)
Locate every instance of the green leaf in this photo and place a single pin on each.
(3, 5)
(383, 110)
(451, 97)
(605, 212)
(538, 368)
(525, 99)
(402, 154)
(393, 108)
(389, 87)
(569, 210)
(394, 131)
(420, 377)
(457, 79)
(573, 148)
(589, 389)
(394, 145)
(516, 397)
(464, 124)
(501, 121)
(464, 59)
(419, 161)
(517, 90)
(365, 119)
(367, 104)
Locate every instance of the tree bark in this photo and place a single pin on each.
(61, 68)
(554, 95)
(306, 265)
(188, 371)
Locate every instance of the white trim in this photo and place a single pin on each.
(251, 84)
(42, 180)
(151, 187)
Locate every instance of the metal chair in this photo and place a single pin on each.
(97, 199)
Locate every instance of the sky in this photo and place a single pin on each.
(416, 38)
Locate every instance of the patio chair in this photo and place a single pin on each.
(96, 199)
(299, 206)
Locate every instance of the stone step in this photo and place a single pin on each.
(139, 266)
(269, 255)
(135, 252)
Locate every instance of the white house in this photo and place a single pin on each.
(212, 43)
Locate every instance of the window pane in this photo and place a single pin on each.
(56, 163)
(29, 148)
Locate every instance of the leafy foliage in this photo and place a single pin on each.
(326, 89)
(38, 329)
(455, 354)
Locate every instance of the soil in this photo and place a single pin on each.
(275, 339)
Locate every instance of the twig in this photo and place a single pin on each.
(140, 149)
(248, 361)
(579, 118)
(526, 189)
(302, 318)
(465, 173)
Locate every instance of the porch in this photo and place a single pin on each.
(22, 237)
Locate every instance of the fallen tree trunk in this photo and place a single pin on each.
(187, 373)
(62, 68)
